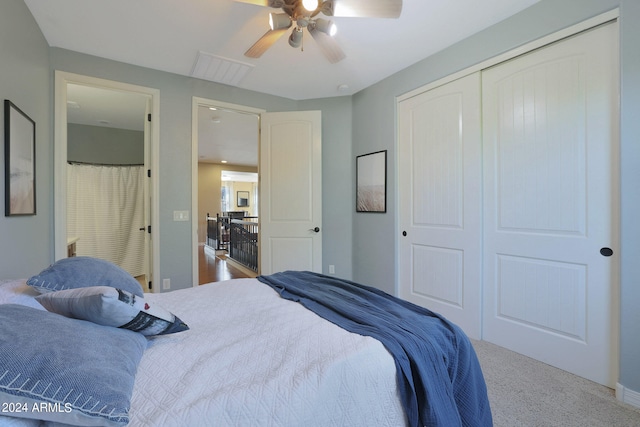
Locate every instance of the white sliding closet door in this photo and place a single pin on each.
(440, 187)
(550, 204)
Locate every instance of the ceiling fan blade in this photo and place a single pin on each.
(257, 2)
(264, 43)
(327, 45)
(269, 3)
(367, 8)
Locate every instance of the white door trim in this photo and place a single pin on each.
(197, 102)
(62, 79)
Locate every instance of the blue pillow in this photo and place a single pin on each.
(82, 272)
(66, 370)
(113, 307)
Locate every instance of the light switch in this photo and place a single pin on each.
(181, 215)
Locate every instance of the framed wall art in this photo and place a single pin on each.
(371, 182)
(243, 199)
(19, 162)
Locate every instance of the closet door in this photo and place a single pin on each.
(551, 204)
(439, 151)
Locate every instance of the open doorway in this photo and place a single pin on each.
(225, 187)
(105, 136)
(290, 177)
(239, 192)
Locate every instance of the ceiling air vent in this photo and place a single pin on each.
(218, 69)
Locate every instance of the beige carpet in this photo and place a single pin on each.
(525, 392)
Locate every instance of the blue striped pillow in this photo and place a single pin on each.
(66, 370)
(82, 272)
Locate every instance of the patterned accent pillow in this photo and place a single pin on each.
(113, 307)
(65, 370)
(82, 272)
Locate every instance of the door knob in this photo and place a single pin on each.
(606, 251)
(316, 229)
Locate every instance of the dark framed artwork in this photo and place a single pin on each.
(19, 162)
(243, 199)
(371, 182)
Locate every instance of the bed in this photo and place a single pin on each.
(244, 352)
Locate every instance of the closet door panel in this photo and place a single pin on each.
(550, 204)
(439, 154)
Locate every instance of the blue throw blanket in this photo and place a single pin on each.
(439, 377)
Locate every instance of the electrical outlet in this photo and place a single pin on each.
(166, 284)
(332, 269)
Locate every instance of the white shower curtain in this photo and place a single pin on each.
(105, 211)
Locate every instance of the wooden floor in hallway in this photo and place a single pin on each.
(215, 268)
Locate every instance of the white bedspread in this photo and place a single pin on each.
(254, 359)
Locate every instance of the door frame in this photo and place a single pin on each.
(196, 103)
(62, 79)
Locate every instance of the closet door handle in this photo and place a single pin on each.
(606, 252)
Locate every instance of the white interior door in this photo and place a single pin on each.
(290, 192)
(440, 206)
(551, 197)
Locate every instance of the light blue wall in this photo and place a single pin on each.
(176, 94)
(630, 177)
(375, 236)
(25, 79)
(26, 72)
(337, 176)
(104, 145)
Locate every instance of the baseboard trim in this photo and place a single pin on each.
(628, 396)
(209, 250)
(241, 267)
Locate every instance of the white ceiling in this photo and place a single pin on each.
(167, 35)
(94, 106)
(227, 136)
(170, 35)
(223, 135)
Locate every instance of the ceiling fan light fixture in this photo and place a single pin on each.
(295, 39)
(279, 21)
(310, 5)
(327, 27)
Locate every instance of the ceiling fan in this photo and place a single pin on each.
(301, 14)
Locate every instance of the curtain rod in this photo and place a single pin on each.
(103, 164)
